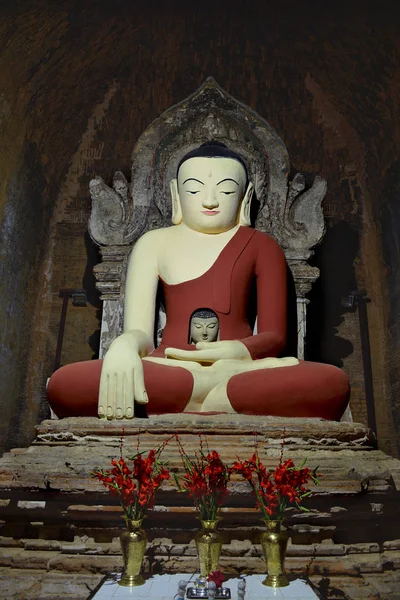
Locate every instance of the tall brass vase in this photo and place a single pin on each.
(208, 544)
(274, 544)
(133, 544)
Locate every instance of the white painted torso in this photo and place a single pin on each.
(184, 254)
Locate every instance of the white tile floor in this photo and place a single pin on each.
(165, 587)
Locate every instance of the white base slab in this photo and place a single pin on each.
(165, 587)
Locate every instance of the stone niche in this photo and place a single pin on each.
(284, 209)
(60, 527)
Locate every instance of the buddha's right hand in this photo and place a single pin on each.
(122, 379)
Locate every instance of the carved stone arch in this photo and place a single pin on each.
(285, 209)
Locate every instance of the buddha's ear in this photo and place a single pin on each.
(176, 203)
(244, 216)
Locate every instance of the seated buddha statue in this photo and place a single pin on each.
(211, 265)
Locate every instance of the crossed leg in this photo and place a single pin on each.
(303, 389)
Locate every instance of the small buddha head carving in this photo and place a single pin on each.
(211, 193)
(120, 184)
(204, 326)
(96, 187)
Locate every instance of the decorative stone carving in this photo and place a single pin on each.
(284, 209)
(111, 210)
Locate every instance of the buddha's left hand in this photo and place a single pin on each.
(210, 352)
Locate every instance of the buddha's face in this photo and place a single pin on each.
(204, 329)
(211, 192)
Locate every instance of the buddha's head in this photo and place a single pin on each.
(211, 192)
(204, 326)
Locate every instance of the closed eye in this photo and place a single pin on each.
(193, 192)
(227, 193)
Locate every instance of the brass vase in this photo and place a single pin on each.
(274, 544)
(133, 544)
(208, 544)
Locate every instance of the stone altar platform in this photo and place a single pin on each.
(60, 527)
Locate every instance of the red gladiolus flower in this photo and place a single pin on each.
(277, 490)
(205, 480)
(135, 486)
(217, 578)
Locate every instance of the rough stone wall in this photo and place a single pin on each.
(81, 82)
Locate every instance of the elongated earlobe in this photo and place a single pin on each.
(176, 203)
(244, 216)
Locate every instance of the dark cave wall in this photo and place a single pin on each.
(390, 233)
(25, 221)
(83, 81)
